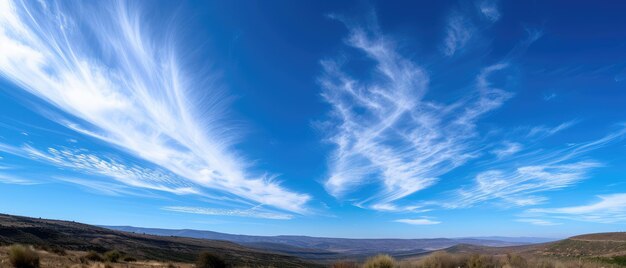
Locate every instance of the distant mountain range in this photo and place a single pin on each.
(331, 248)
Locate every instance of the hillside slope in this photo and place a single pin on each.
(83, 237)
(589, 245)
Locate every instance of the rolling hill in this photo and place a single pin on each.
(320, 248)
(82, 237)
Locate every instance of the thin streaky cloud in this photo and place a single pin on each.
(546, 131)
(517, 182)
(539, 222)
(251, 213)
(608, 209)
(12, 179)
(104, 187)
(132, 92)
(419, 221)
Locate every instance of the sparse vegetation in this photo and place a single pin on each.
(23, 257)
(112, 256)
(380, 261)
(438, 259)
(448, 260)
(210, 260)
(91, 256)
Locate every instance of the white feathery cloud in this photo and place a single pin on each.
(517, 182)
(489, 9)
(251, 213)
(386, 132)
(458, 33)
(545, 131)
(508, 148)
(517, 186)
(609, 209)
(419, 221)
(121, 83)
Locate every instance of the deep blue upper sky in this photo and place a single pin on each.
(325, 118)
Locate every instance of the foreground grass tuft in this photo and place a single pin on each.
(380, 261)
(23, 257)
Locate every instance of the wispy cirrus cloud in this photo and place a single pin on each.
(508, 148)
(458, 33)
(489, 9)
(120, 82)
(539, 222)
(518, 182)
(608, 209)
(419, 221)
(12, 179)
(386, 132)
(252, 213)
(104, 187)
(546, 131)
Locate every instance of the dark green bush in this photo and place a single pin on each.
(23, 257)
(210, 260)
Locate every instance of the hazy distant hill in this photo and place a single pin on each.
(323, 247)
(83, 237)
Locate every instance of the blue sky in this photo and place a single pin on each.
(348, 119)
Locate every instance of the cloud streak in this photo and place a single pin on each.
(118, 82)
(420, 221)
(252, 213)
(608, 209)
(10, 179)
(540, 171)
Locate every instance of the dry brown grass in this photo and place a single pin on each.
(448, 260)
(380, 261)
(23, 257)
(72, 259)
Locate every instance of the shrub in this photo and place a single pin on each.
(23, 257)
(112, 256)
(91, 256)
(380, 261)
(481, 261)
(210, 260)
